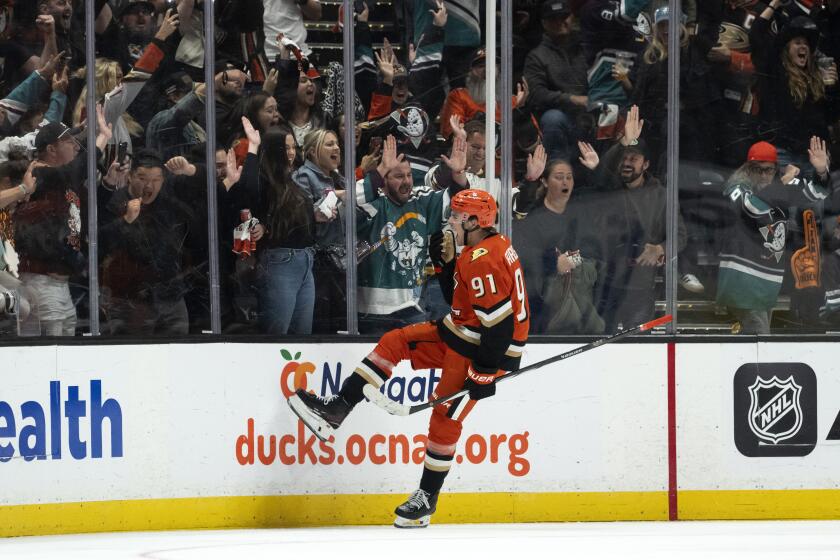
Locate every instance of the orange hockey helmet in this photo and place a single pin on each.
(476, 203)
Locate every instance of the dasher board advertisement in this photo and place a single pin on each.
(120, 423)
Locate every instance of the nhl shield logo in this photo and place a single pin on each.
(775, 412)
(775, 409)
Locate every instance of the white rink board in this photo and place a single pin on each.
(585, 425)
(707, 456)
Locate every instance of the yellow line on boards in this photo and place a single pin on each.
(758, 504)
(377, 509)
(323, 510)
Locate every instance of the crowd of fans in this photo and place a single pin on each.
(758, 129)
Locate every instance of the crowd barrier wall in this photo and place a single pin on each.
(155, 437)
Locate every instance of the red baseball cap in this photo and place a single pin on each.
(763, 151)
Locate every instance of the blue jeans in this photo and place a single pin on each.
(558, 133)
(286, 290)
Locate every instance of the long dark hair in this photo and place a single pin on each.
(287, 203)
(253, 106)
(246, 107)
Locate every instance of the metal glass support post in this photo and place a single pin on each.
(490, 85)
(210, 130)
(506, 141)
(673, 161)
(349, 156)
(90, 154)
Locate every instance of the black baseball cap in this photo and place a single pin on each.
(179, 82)
(640, 147)
(480, 56)
(801, 26)
(50, 134)
(223, 64)
(400, 72)
(555, 9)
(134, 5)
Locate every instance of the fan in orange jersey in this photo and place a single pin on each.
(482, 338)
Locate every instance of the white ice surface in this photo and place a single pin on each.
(768, 540)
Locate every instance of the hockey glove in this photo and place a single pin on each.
(442, 248)
(481, 382)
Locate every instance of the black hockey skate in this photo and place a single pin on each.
(416, 512)
(322, 415)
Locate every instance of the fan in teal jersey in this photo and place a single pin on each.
(396, 219)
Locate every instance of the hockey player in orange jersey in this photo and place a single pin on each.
(482, 338)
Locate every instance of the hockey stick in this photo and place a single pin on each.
(397, 409)
(368, 249)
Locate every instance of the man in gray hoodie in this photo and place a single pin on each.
(633, 220)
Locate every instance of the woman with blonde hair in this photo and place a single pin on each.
(107, 76)
(120, 91)
(697, 90)
(319, 176)
(794, 96)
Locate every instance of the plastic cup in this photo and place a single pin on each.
(825, 63)
(623, 61)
